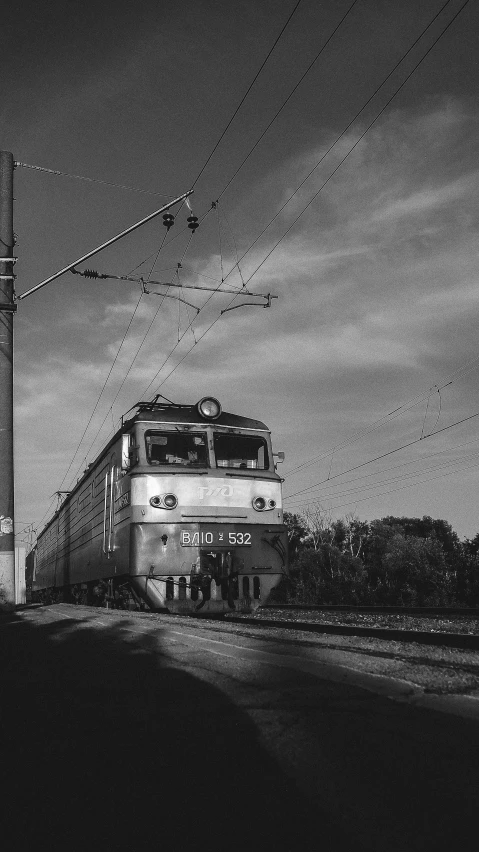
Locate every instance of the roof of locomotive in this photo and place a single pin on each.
(163, 413)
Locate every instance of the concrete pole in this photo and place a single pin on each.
(7, 546)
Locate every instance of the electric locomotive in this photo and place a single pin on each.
(181, 511)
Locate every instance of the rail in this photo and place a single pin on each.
(465, 641)
(403, 610)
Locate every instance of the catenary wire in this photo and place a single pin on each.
(245, 95)
(389, 453)
(157, 253)
(363, 134)
(103, 388)
(116, 357)
(392, 491)
(144, 337)
(338, 138)
(93, 180)
(190, 324)
(448, 380)
(361, 137)
(196, 340)
(391, 479)
(415, 461)
(385, 418)
(303, 76)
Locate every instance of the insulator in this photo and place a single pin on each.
(91, 273)
(168, 220)
(193, 223)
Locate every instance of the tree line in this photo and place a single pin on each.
(386, 562)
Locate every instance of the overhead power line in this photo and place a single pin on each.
(384, 455)
(355, 500)
(340, 136)
(93, 180)
(109, 374)
(415, 461)
(293, 90)
(386, 418)
(364, 487)
(353, 147)
(246, 94)
(363, 134)
(103, 388)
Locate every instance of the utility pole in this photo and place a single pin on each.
(7, 309)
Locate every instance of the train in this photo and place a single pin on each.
(180, 512)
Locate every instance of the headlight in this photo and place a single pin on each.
(209, 408)
(262, 505)
(259, 503)
(164, 501)
(170, 501)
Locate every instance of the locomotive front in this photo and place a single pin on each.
(206, 509)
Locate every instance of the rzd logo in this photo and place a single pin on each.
(219, 491)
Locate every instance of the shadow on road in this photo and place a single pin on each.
(104, 744)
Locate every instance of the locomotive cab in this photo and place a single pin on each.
(206, 506)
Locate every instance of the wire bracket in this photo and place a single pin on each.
(167, 295)
(268, 297)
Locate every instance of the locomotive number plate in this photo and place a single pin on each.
(189, 538)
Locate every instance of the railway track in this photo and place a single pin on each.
(451, 639)
(472, 612)
(431, 636)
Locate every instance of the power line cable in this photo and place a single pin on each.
(389, 453)
(110, 410)
(117, 354)
(419, 460)
(103, 388)
(215, 205)
(181, 338)
(195, 344)
(398, 89)
(386, 418)
(93, 180)
(361, 137)
(393, 479)
(343, 132)
(245, 95)
(279, 111)
(383, 493)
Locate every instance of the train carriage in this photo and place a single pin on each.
(182, 510)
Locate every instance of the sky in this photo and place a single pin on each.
(363, 222)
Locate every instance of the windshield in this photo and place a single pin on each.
(241, 451)
(188, 449)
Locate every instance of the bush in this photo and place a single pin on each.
(327, 576)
